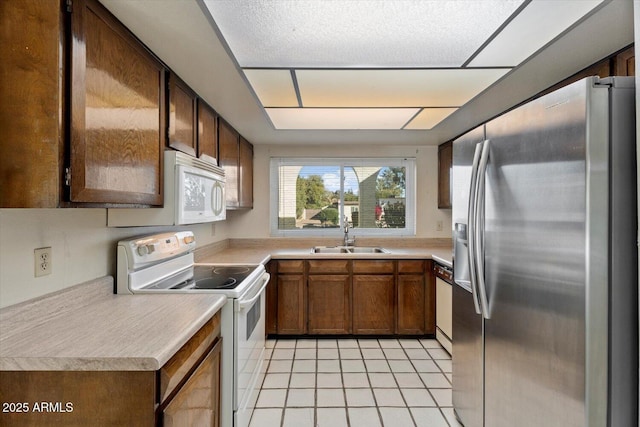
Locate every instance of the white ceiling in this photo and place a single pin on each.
(181, 33)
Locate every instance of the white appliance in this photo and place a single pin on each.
(444, 323)
(545, 299)
(194, 192)
(165, 263)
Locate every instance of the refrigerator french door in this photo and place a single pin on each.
(545, 262)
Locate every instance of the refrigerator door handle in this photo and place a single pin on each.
(471, 217)
(478, 230)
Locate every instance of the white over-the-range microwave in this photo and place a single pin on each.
(193, 193)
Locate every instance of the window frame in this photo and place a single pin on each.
(410, 196)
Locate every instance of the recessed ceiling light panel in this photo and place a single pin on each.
(357, 33)
(539, 23)
(428, 118)
(340, 118)
(393, 88)
(274, 88)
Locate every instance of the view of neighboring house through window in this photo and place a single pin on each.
(375, 196)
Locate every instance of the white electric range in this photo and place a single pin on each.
(165, 263)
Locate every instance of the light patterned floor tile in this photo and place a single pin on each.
(331, 417)
(425, 366)
(286, 344)
(368, 343)
(395, 353)
(401, 366)
(305, 353)
(408, 379)
(276, 381)
(282, 366)
(352, 366)
(304, 366)
(329, 380)
(442, 396)
(282, 354)
(410, 343)
(298, 417)
(451, 417)
(306, 343)
(417, 397)
(350, 353)
(428, 417)
(430, 343)
(271, 398)
(357, 379)
(327, 343)
(372, 353)
(303, 380)
(417, 353)
(388, 397)
(330, 397)
(348, 343)
(377, 366)
(266, 417)
(328, 353)
(445, 365)
(382, 380)
(301, 397)
(364, 417)
(389, 343)
(325, 366)
(396, 417)
(437, 353)
(359, 397)
(435, 380)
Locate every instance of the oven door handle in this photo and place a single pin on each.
(244, 304)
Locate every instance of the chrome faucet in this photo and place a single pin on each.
(348, 241)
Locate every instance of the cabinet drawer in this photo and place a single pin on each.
(291, 267)
(411, 266)
(372, 267)
(177, 368)
(328, 266)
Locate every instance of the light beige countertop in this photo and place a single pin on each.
(87, 327)
(262, 250)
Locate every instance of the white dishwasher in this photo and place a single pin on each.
(444, 323)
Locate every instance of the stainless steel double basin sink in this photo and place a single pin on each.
(348, 250)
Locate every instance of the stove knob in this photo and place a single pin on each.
(143, 250)
(189, 239)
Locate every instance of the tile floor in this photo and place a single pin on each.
(354, 383)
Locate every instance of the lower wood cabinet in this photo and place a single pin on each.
(373, 304)
(184, 392)
(291, 304)
(329, 304)
(351, 297)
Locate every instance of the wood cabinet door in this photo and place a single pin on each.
(291, 304)
(197, 403)
(228, 141)
(182, 116)
(207, 132)
(329, 304)
(31, 111)
(445, 161)
(411, 304)
(118, 120)
(245, 174)
(373, 304)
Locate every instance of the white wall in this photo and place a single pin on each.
(83, 248)
(255, 223)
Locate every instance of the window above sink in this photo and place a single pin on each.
(312, 197)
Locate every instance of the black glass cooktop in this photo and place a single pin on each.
(223, 277)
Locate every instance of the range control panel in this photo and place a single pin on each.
(142, 251)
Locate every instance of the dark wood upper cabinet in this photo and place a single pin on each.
(236, 158)
(183, 129)
(445, 162)
(229, 150)
(207, 132)
(31, 111)
(245, 198)
(117, 95)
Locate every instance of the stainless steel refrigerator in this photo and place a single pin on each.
(545, 301)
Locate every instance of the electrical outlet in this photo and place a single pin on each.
(439, 226)
(42, 261)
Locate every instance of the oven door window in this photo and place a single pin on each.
(253, 318)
